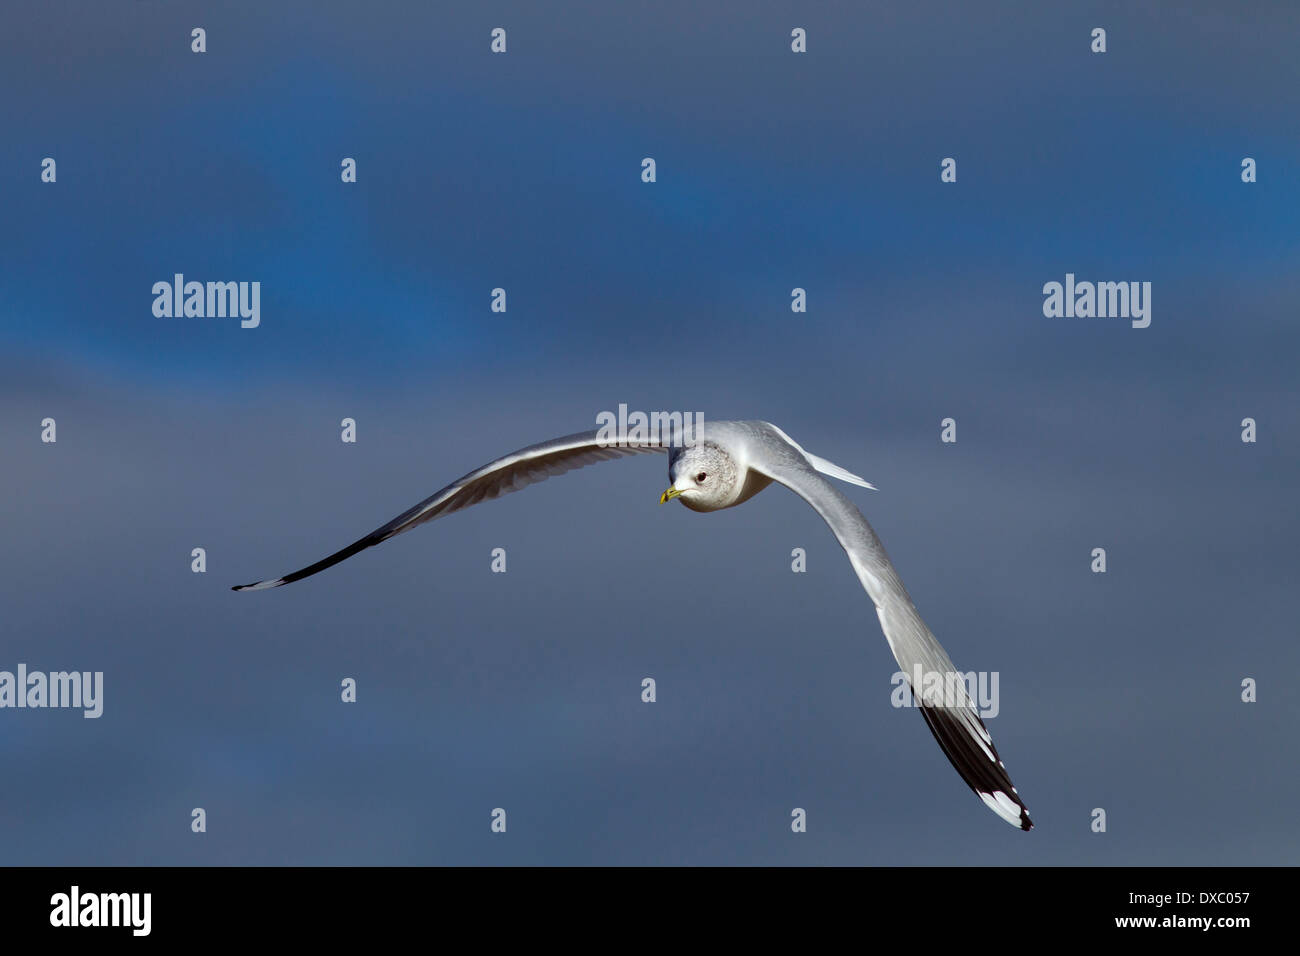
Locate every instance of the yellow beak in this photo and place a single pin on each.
(668, 495)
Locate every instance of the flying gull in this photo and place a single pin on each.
(723, 465)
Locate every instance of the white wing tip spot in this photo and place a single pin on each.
(1003, 806)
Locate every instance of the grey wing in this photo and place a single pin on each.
(955, 723)
(510, 473)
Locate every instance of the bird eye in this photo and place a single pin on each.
(700, 477)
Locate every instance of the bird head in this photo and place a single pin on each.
(703, 476)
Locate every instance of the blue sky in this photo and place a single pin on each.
(522, 171)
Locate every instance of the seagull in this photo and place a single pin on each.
(721, 465)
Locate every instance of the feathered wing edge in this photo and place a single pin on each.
(500, 477)
(955, 724)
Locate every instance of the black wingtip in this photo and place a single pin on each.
(977, 761)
